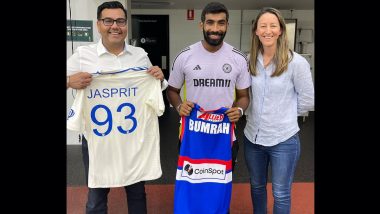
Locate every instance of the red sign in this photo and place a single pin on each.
(190, 14)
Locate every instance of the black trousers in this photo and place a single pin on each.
(234, 151)
(98, 197)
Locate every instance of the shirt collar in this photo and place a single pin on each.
(102, 50)
(260, 58)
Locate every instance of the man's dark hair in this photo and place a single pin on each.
(110, 5)
(214, 7)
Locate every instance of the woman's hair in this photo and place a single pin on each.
(281, 57)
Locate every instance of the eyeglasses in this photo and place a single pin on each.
(119, 22)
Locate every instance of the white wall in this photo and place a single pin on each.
(82, 10)
(183, 32)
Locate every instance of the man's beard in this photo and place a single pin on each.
(213, 42)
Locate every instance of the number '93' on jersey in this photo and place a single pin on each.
(118, 113)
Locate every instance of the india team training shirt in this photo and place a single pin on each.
(210, 78)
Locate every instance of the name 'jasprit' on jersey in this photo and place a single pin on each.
(115, 113)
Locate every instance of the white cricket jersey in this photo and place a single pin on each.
(118, 112)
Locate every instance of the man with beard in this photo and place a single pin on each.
(215, 74)
(113, 65)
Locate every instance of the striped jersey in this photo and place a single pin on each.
(204, 173)
(118, 113)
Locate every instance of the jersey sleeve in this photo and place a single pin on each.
(73, 64)
(303, 85)
(155, 100)
(177, 76)
(244, 78)
(75, 117)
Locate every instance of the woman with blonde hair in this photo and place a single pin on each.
(282, 88)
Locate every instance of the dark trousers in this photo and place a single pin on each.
(98, 197)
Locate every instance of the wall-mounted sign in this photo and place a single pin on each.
(79, 31)
(190, 14)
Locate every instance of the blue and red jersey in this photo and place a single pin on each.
(204, 173)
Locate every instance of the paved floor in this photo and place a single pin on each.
(160, 199)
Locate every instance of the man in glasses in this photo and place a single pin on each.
(136, 155)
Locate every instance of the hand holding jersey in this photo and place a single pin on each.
(233, 113)
(185, 108)
(156, 72)
(120, 112)
(79, 80)
(214, 74)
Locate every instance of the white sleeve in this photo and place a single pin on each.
(156, 101)
(177, 77)
(164, 84)
(75, 117)
(303, 84)
(73, 63)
